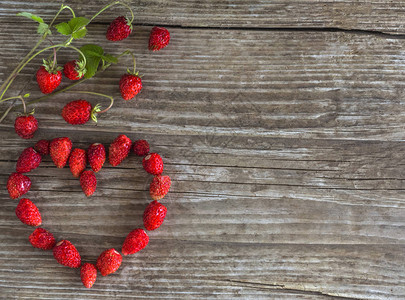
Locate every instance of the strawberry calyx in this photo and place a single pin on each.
(80, 68)
(51, 67)
(96, 109)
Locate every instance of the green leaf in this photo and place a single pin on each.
(27, 95)
(79, 34)
(110, 58)
(31, 16)
(77, 23)
(64, 28)
(43, 28)
(93, 54)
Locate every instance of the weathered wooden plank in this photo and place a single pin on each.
(272, 84)
(365, 14)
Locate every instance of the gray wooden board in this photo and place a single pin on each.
(285, 149)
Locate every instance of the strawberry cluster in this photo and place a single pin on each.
(62, 153)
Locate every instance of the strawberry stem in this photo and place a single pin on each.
(127, 52)
(97, 94)
(112, 4)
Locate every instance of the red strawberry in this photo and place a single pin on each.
(66, 254)
(28, 160)
(88, 183)
(135, 241)
(18, 184)
(154, 215)
(153, 164)
(159, 38)
(48, 79)
(25, 126)
(78, 112)
(59, 149)
(119, 150)
(77, 161)
(28, 213)
(42, 239)
(74, 70)
(96, 156)
(88, 274)
(141, 147)
(119, 29)
(109, 261)
(42, 147)
(130, 85)
(159, 187)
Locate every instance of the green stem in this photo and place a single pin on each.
(112, 4)
(15, 97)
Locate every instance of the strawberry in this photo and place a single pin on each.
(28, 160)
(25, 126)
(96, 156)
(135, 241)
(154, 215)
(59, 149)
(159, 38)
(77, 161)
(18, 184)
(109, 261)
(159, 187)
(153, 164)
(119, 29)
(42, 147)
(28, 213)
(88, 182)
(74, 70)
(88, 274)
(119, 150)
(130, 85)
(66, 254)
(42, 239)
(141, 147)
(48, 78)
(78, 112)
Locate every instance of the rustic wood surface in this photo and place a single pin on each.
(282, 127)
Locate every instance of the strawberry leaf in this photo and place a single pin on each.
(79, 34)
(43, 28)
(31, 16)
(63, 28)
(93, 54)
(110, 58)
(78, 23)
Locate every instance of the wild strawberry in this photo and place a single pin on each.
(25, 126)
(42, 147)
(119, 29)
(88, 182)
(78, 112)
(159, 187)
(66, 254)
(130, 85)
(77, 161)
(153, 164)
(159, 38)
(88, 274)
(96, 156)
(135, 241)
(59, 149)
(109, 261)
(48, 78)
(141, 147)
(28, 160)
(28, 213)
(42, 239)
(74, 70)
(154, 215)
(18, 184)
(119, 150)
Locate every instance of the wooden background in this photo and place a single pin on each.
(281, 124)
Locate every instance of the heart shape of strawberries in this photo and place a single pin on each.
(61, 152)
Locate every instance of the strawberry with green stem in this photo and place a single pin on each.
(130, 83)
(26, 124)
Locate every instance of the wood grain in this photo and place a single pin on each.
(285, 149)
(381, 15)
